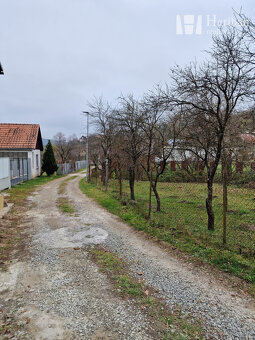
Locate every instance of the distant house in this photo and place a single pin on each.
(248, 138)
(245, 150)
(22, 144)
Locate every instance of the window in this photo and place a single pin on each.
(37, 162)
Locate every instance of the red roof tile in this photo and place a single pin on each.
(19, 136)
(248, 138)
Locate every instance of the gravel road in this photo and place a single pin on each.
(62, 295)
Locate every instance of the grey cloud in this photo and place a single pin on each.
(58, 54)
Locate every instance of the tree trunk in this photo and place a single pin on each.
(149, 212)
(96, 173)
(103, 173)
(106, 175)
(154, 187)
(132, 183)
(209, 207)
(120, 182)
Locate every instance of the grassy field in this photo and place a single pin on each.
(183, 221)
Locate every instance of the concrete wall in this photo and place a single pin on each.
(5, 181)
(35, 157)
(24, 165)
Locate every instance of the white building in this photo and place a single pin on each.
(22, 144)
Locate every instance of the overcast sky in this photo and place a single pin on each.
(58, 54)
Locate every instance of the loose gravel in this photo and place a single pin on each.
(225, 313)
(56, 292)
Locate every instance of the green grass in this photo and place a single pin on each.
(63, 202)
(183, 221)
(168, 325)
(81, 170)
(128, 286)
(21, 191)
(65, 206)
(107, 260)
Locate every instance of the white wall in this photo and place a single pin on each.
(5, 181)
(35, 156)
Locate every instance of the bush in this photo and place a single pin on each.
(182, 176)
(241, 179)
(245, 179)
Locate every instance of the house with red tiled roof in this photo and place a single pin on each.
(246, 148)
(248, 137)
(22, 144)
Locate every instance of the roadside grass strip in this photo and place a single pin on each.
(179, 225)
(65, 206)
(167, 324)
(63, 202)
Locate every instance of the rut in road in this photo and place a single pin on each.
(64, 296)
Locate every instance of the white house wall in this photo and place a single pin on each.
(35, 156)
(5, 181)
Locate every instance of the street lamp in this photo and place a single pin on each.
(1, 69)
(87, 147)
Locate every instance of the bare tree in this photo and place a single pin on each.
(95, 155)
(161, 129)
(102, 115)
(209, 94)
(63, 147)
(77, 148)
(129, 118)
(119, 159)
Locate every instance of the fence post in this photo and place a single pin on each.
(225, 194)
(173, 166)
(239, 167)
(184, 165)
(201, 166)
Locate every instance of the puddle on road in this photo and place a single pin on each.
(69, 238)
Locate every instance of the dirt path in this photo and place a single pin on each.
(60, 293)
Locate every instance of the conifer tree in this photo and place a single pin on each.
(49, 164)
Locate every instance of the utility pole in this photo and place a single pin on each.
(87, 148)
